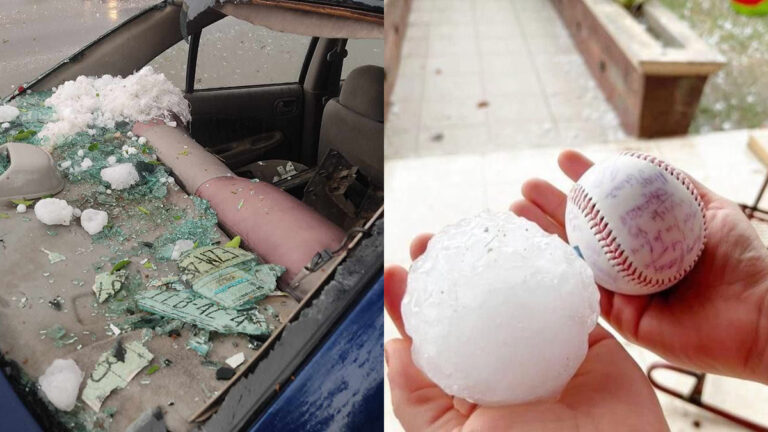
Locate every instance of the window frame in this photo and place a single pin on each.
(192, 57)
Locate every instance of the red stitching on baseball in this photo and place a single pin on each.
(616, 255)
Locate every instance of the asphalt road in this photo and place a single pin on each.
(37, 34)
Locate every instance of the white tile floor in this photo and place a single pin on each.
(449, 155)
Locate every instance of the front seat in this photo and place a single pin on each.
(353, 123)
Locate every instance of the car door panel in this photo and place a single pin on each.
(223, 116)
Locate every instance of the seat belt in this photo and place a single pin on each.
(335, 60)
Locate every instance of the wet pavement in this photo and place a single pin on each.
(36, 34)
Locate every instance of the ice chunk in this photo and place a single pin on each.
(5, 125)
(142, 140)
(8, 113)
(180, 247)
(499, 311)
(93, 221)
(81, 152)
(53, 211)
(111, 160)
(86, 163)
(65, 164)
(21, 208)
(120, 176)
(61, 383)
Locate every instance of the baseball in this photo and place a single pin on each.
(637, 221)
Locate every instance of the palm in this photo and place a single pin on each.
(608, 391)
(711, 320)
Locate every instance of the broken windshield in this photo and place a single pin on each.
(122, 274)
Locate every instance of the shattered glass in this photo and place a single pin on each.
(147, 295)
(4, 162)
(231, 277)
(115, 369)
(192, 308)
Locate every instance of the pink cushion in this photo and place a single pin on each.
(271, 223)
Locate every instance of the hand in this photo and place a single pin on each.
(716, 318)
(608, 391)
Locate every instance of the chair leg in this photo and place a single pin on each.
(694, 397)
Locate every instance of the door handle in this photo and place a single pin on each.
(286, 106)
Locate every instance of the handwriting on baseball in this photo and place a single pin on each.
(660, 225)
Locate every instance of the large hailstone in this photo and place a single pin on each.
(53, 211)
(120, 176)
(61, 383)
(93, 221)
(499, 311)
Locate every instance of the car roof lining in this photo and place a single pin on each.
(304, 22)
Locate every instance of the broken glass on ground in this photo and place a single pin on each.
(108, 283)
(200, 342)
(112, 373)
(53, 257)
(202, 312)
(4, 162)
(231, 277)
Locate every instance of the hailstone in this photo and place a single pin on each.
(61, 383)
(93, 221)
(499, 310)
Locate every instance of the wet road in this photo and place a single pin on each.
(36, 34)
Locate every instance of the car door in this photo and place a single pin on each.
(245, 91)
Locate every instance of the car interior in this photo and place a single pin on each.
(294, 168)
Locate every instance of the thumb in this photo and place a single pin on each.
(418, 403)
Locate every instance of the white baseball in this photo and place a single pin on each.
(637, 221)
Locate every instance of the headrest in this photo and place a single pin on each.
(363, 92)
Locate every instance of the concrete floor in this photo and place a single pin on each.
(489, 92)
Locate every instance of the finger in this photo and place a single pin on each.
(528, 210)
(419, 244)
(597, 335)
(417, 402)
(464, 406)
(546, 197)
(609, 377)
(706, 194)
(395, 279)
(624, 312)
(573, 164)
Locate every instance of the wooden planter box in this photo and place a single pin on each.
(651, 67)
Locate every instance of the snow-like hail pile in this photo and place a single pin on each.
(90, 102)
(499, 311)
